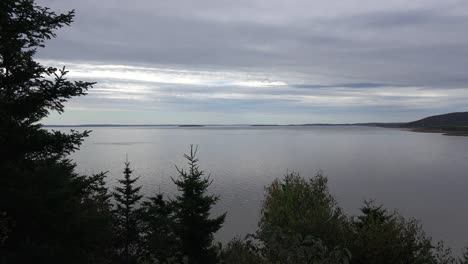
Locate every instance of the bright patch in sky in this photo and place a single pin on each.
(197, 92)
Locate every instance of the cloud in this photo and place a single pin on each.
(137, 88)
(286, 56)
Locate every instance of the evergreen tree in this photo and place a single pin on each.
(193, 225)
(160, 243)
(28, 90)
(45, 201)
(128, 218)
(97, 211)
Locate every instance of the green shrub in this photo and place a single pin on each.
(384, 237)
(241, 251)
(301, 222)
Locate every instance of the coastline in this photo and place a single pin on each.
(445, 132)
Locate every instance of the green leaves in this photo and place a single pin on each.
(301, 222)
(386, 237)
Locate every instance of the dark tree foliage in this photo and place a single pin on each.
(128, 218)
(193, 224)
(383, 237)
(241, 251)
(28, 90)
(301, 222)
(443, 254)
(47, 204)
(4, 227)
(97, 209)
(51, 214)
(160, 243)
(464, 258)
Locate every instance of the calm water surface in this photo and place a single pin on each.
(422, 175)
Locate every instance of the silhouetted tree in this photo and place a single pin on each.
(241, 251)
(98, 216)
(193, 224)
(383, 237)
(44, 199)
(28, 90)
(128, 217)
(301, 223)
(160, 243)
(4, 228)
(443, 254)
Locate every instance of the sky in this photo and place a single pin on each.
(262, 61)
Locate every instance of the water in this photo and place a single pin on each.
(422, 175)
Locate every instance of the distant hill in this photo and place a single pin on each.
(451, 120)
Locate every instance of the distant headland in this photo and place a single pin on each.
(452, 124)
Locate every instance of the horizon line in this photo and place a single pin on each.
(198, 125)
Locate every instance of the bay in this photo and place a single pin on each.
(423, 175)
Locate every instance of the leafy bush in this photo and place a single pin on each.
(383, 237)
(241, 251)
(301, 222)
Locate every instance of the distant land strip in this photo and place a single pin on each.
(451, 124)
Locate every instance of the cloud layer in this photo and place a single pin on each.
(262, 61)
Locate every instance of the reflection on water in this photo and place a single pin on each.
(422, 175)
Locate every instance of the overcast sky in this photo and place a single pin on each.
(262, 61)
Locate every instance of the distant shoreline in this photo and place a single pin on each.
(450, 131)
(445, 132)
(226, 125)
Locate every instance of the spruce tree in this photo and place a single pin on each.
(160, 243)
(28, 90)
(97, 208)
(193, 224)
(128, 217)
(42, 196)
